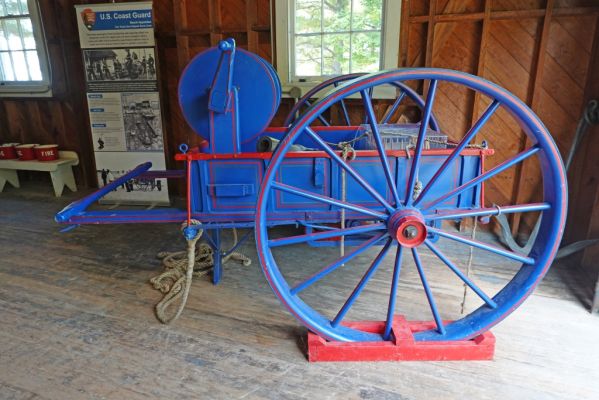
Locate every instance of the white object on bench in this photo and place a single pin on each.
(61, 171)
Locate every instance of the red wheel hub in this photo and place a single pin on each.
(407, 226)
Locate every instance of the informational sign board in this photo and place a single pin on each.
(118, 48)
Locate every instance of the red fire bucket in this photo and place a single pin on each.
(25, 152)
(46, 152)
(7, 151)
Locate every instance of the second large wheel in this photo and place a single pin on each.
(398, 226)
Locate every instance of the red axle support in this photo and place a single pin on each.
(401, 347)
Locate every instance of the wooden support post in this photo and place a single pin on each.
(533, 101)
(182, 39)
(430, 39)
(583, 215)
(215, 18)
(251, 8)
(404, 34)
(430, 34)
(480, 67)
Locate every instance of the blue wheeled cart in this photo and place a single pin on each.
(349, 183)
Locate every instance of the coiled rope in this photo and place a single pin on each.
(181, 267)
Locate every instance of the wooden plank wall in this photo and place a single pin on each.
(538, 49)
(63, 118)
(583, 218)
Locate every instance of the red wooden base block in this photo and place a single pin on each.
(401, 347)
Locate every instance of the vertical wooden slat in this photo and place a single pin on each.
(480, 67)
(430, 40)
(583, 216)
(251, 8)
(430, 33)
(533, 101)
(404, 35)
(182, 40)
(214, 13)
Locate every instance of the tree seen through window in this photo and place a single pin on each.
(334, 37)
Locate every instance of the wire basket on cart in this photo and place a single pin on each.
(404, 136)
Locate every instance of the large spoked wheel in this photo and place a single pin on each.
(404, 94)
(401, 220)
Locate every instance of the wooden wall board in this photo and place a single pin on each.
(441, 33)
(583, 216)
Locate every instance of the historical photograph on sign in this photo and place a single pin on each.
(143, 124)
(120, 64)
(111, 166)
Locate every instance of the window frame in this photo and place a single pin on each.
(284, 37)
(41, 88)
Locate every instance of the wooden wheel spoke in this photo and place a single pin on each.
(328, 200)
(428, 107)
(393, 293)
(461, 146)
(428, 292)
(460, 275)
(381, 149)
(483, 177)
(484, 246)
(336, 264)
(326, 235)
(345, 112)
(358, 289)
(349, 169)
(393, 108)
(487, 211)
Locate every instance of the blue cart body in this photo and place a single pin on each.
(223, 179)
(226, 185)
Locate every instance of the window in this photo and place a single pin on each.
(23, 62)
(317, 39)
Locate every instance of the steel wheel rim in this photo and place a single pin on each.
(338, 81)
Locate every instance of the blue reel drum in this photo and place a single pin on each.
(257, 84)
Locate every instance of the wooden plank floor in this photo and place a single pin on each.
(77, 322)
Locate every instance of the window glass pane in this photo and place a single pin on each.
(12, 7)
(7, 69)
(24, 6)
(308, 16)
(3, 41)
(18, 60)
(308, 55)
(367, 14)
(27, 31)
(33, 62)
(366, 52)
(14, 37)
(335, 54)
(336, 16)
(2, 9)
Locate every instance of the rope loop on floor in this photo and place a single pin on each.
(180, 268)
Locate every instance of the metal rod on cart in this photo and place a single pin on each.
(189, 192)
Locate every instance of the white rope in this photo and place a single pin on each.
(346, 150)
(469, 266)
(180, 268)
